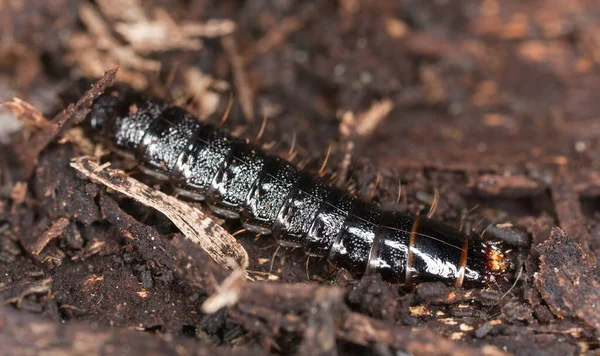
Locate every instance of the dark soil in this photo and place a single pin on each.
(490, 103)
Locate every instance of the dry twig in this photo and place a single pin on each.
(29, 150)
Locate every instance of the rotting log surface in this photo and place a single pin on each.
(488, 103)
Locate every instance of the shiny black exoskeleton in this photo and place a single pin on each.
(298, 208)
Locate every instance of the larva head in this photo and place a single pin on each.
(102, 111)
(500, 260)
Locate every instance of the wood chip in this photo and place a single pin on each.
(193, 223)
(568, 209)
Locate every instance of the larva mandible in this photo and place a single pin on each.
(270, 195)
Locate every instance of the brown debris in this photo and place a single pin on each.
(62, 193)
(375, 298)
(362, 330)
(94, 53)
(198, 85)
(228, 293)
(370, 119)
(319, 335)
(507, 185)
(199, 228)
(352, 128)
(488, 102)
(566, 279)
(17, 293)
(53, 231)
(19, 192)
(353, 327)
(508, 233)
(72, 115)
(347, 129)
(29, 116)
(438, 293)
(276, 36)
(77, 138)
(161, 34)
(514, 310)
(29, 334)
(182, 256)
(568, 210)
(210, 29)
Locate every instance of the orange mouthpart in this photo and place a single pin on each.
(496, 260)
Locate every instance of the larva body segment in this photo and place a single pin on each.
(299, 209)
(267, 197)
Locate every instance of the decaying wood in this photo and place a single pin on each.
(510, 185)
(74, 114)
(16, 293)
(53, 231)
(193, 223)
(566, 279)
(29, 116)
(568, 210)
(325, 316)
(29, 334)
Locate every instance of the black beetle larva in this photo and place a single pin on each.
(299, 209)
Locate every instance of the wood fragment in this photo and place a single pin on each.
(364, 331)
(291, 312)
(514, 186)
(352, 127)
(319, 336)
(210, 29)
(55, 230)
(228, 293)
(368, 121)
(74, 114)
(19, 192)
(275, 37)
(568, 209)
(16, 293)
(194, 224)
(29, 116)
(566, 279)
(198, 85)
(92, 51)
(157, 35)
(30, 334)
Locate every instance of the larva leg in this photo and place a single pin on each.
(226, 213)
(154, 174)
(256, 229)
(189, 194)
